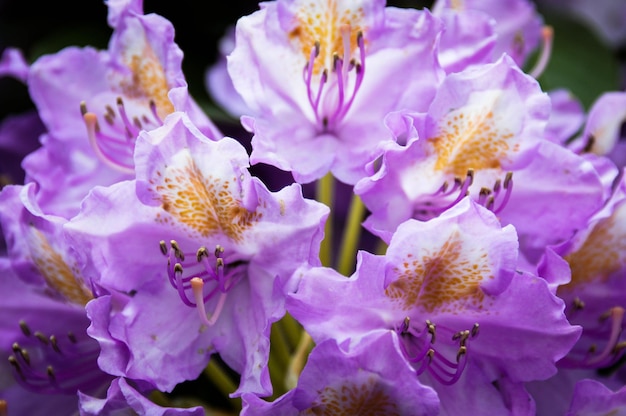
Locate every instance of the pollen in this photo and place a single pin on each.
(602, 254)
(470, 141)
(148, 80)
(55, 271)
(445, 280)
(204, 204)
(367, 399)
(322, 23)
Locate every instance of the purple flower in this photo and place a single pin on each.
(593, 398)
(515, 22)
(604, 133)
(228, 249)
(123, 397)
(483, 135)
(367, 379)
(94, 104)
(472, 326)
(42, 317)
(319, 78)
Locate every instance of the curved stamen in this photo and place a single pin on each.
(197, 285)
(337, 98)
(613, 349)
(421, 352)
(57, 366)
(547, 35)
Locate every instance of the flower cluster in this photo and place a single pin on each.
(452, 239)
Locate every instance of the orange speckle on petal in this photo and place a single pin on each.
(470, 141)
(148, 80)
(323, 22)
(445, 279)
(366, 399)
(55, 271)
(204, 204)
(602, 253)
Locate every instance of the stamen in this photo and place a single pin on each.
(421, 353)
(216, 275)
(41, 337)
(53, 342)
(508, 188)
(337, 103)
(25, 329)
(547, 36)
(616, 315)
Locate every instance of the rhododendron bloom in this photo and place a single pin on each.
(319, 77)
(213, 255)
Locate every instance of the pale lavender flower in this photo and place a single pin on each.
(592, 398)
(484, 135)
(318, 79)
(94, 104)
(516, 23)
(197, 256)
(472, 326)
(42, 316)
(123, 397)
(372, 378)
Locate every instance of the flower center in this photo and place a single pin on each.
(205, 281)
(55, 364)
(336, 87)
(114, 140)
(418, 346)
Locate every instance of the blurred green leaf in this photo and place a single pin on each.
(580, 62)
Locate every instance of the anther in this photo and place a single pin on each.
(430, 354)
(462, 351)
(50, 372)
(475, 329)
(163, 247)
(178, 268)
(317, 48)
(202, 253)
(404, 328)
(83, 108)
(431, 330)
(16, 365)
(461, 336)
(218, 250)
(619, 346)
(72, 337)
(4, 411)
(53, 342)
(578, 304)
(25, 356)
(16, 347)
(178, 253)
(41, 337)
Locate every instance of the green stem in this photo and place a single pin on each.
(279, 348)
(292, 330)
(325, 194)
(351, 236)
(222, 381)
